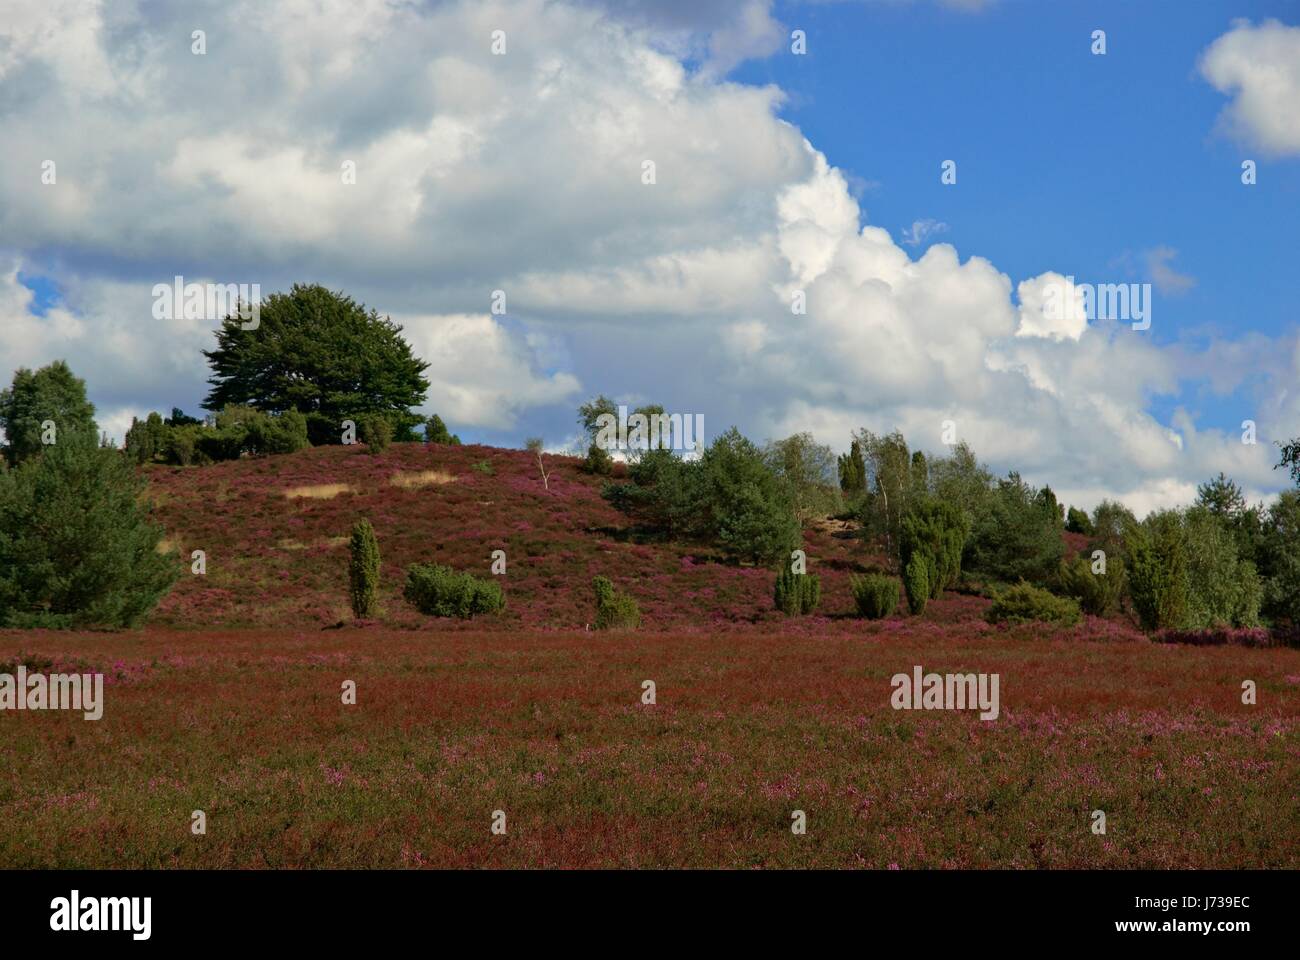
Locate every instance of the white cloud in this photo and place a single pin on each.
(1259, 67)
(523, 173)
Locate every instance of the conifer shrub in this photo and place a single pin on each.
(1098, 594)
(1025, 603)
(363, 570)
(796, 594)
(376, 432)
(614, 610)
(440, 591)
(916, 581)
(875, 594)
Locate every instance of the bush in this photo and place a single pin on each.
(376, 432)
(916, 582)
(1077, 521)
(797, 594)
(598, 461)
(1025, 603)
(363, 571)
(1098, 593)
(875, 594)
(76, 546)
(1157, 572)
(1017, 536)
(443, 592)
(435, 431)
(937, 530)
(614, 610)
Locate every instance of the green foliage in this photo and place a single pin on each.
(938, 531)
(483, 467)
(76, 546)
(363, 571)
(1221, 497)
(53, 394)
(1279, 558)
(146, 440)
(435, 431)
(614, 610)
(1017, 536)
(375, 432)
(875, 594)
(796, 594)
(245, 430)
(1098, 593)
(322, 354)
(1157, 572)
(598, 461)
(443, 592)
(916, 581)
(1290, 458)
(1077, 521)
(853, 470)
(1025, 603)
(730, 496)
(1222, 589)
(959, 479)
(889, 486)
(805, 466)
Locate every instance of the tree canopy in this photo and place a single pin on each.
(323, 354)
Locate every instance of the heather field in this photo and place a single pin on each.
(750, 724)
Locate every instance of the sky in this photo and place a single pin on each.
(798, 151)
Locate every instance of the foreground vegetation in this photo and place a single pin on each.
(749, 725)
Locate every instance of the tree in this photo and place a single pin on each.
(52, 395)
(935, 531)
(1157, 571)
(1018, 536)
(435, 431)
(322, 354)
(889, 480)
(1077, 521)
(806, 466)
(853, 470)
(537, 448)
(751, 511)
(1279, 558)
(1291, 459)
(77, 548)
(1222, 497)
(363, 570)
(960, 479)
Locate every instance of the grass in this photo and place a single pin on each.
(748, 727)
(424, 478)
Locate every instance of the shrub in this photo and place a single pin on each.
(1077, 521)
(363, 570)
(1017, 536)
(1157, 572)
(443, 592)
(916, 582)
(1098, 593)
(483, 467)
(598, 461)
(796, 593)
(875, 594)
(76, 545)
(937, 530)
(1025, 603)
(376, 432)
(435, 431)
(614, 610)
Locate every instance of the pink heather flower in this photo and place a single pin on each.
(893, 866)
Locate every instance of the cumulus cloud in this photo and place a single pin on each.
(524, 173)
(922, 230)
(1259, 67)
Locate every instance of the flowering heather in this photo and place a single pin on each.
(750, 723)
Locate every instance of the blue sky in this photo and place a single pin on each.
(523, 172)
